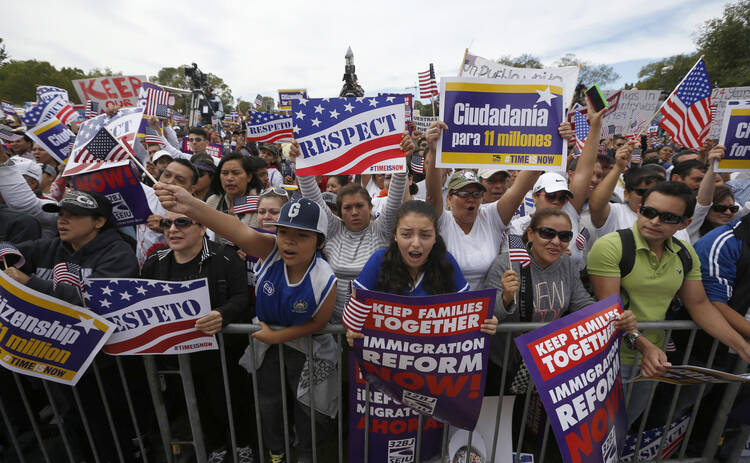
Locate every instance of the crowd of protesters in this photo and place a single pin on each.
(667, 233)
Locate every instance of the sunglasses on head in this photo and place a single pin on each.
(556, 196)
(665, 217)
(722, 208)
(275, 190)
(550, 234)
(466, 194)
(179, 222)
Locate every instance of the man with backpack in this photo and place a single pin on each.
(648, 268)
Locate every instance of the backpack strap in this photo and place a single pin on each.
(685, 258)
(627, 259)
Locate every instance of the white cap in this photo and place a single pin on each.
(551, 182)
(487, 173)
(160, 154)
(30, 169)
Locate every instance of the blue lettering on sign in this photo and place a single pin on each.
(348, 136)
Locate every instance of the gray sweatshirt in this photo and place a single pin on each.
(557, 291)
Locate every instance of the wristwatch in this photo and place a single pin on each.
(630, 339)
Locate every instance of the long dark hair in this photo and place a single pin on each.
(438, 271)
(248, 165)
(720, 192)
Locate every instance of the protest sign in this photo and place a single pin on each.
(54, 137)
(719, 99)
(48, 110)
(504, 124)
(423, 122)
(123, 126)
(633, 106)
(121, 186)
(575, 364)
(214, 149)
(428, 352)
(287, 96)
(565, 76)
(391, 429)
(269, 128)
(651, 440)
(151, 316)
(689, 374)
(735, 136)
(110, 91)
(408, 97)
(47, 93)
(349, 135)
(45, 337)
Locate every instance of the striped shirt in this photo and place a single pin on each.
(348, 251)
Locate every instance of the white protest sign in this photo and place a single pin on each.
(567, 76)
(634, 106)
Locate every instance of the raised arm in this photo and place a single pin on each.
(585, 168)
(309, 189)
(396, 190)
(707, 186)
(177, 199)
(599, 200)
(433, 178)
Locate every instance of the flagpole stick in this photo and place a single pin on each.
(510, 266)
(133, 158)
(5, 264)
(463, 62)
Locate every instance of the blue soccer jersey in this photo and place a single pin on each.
(279, 302)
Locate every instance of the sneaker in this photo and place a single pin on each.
(245, 455)
(217, 456)
(277, 457)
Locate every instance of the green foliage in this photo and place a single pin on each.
(525, 60)
(3, 53)
(666, 73)
(590, 74)
(725, 44)
(175, 77)
(18, 79)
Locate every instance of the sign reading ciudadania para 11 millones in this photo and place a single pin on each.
(575, 364)
(735, 136)
(506, 124)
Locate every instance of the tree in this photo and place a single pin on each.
(725, 44)
(666, 73)
(590, 73)
(3, 53)
(243, 106)
(18, 79)
(525, 60)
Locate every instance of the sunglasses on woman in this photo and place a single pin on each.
(665, 217)
(720, 208)
(561, 196)
(179, 222)
(550, 234)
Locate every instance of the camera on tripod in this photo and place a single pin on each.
(200, 80)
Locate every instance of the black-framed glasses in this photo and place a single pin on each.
(179, 222)
(548, 233)
(666, 217)
(466, 194)
(720, 208)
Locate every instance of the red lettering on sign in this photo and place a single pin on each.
(108, 89)
(398, 426)
(87, 87)
(120, 84)
(135, 84)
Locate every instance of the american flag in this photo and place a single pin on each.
(8, 108)
(582, 238)
(613, 100)
(355, 314)
(651, 441)
(56, 107)
(154, 98)
(357, 150)
(179, 118)
(417, 164)
(46, 93)
(427, 84)
(269, 128)
(158, 331)
(258, 100)
(66, 272)
(246, 204)
(582, 130)
(163, 110)
(103, 147)
(8, 249)
(687, 111)
(152, 138)
(92, 109)
(517, 251)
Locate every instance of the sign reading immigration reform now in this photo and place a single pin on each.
(349, 135)
(735, 136)
(45, 337)
(506, 124)
(575, 364)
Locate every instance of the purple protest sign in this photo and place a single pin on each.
(392, 427)
(575, 364)
(428, 352)
(121, 186)
(735, 135)
(501, 124)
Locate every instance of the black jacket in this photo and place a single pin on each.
(225, 272)
(108, 255)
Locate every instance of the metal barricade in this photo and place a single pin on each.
(104, 418)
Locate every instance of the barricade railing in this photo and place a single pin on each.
(48, 422)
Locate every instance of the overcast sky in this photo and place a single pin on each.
(261, 46)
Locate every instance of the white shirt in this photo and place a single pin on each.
(475, 251)
(518, 226)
